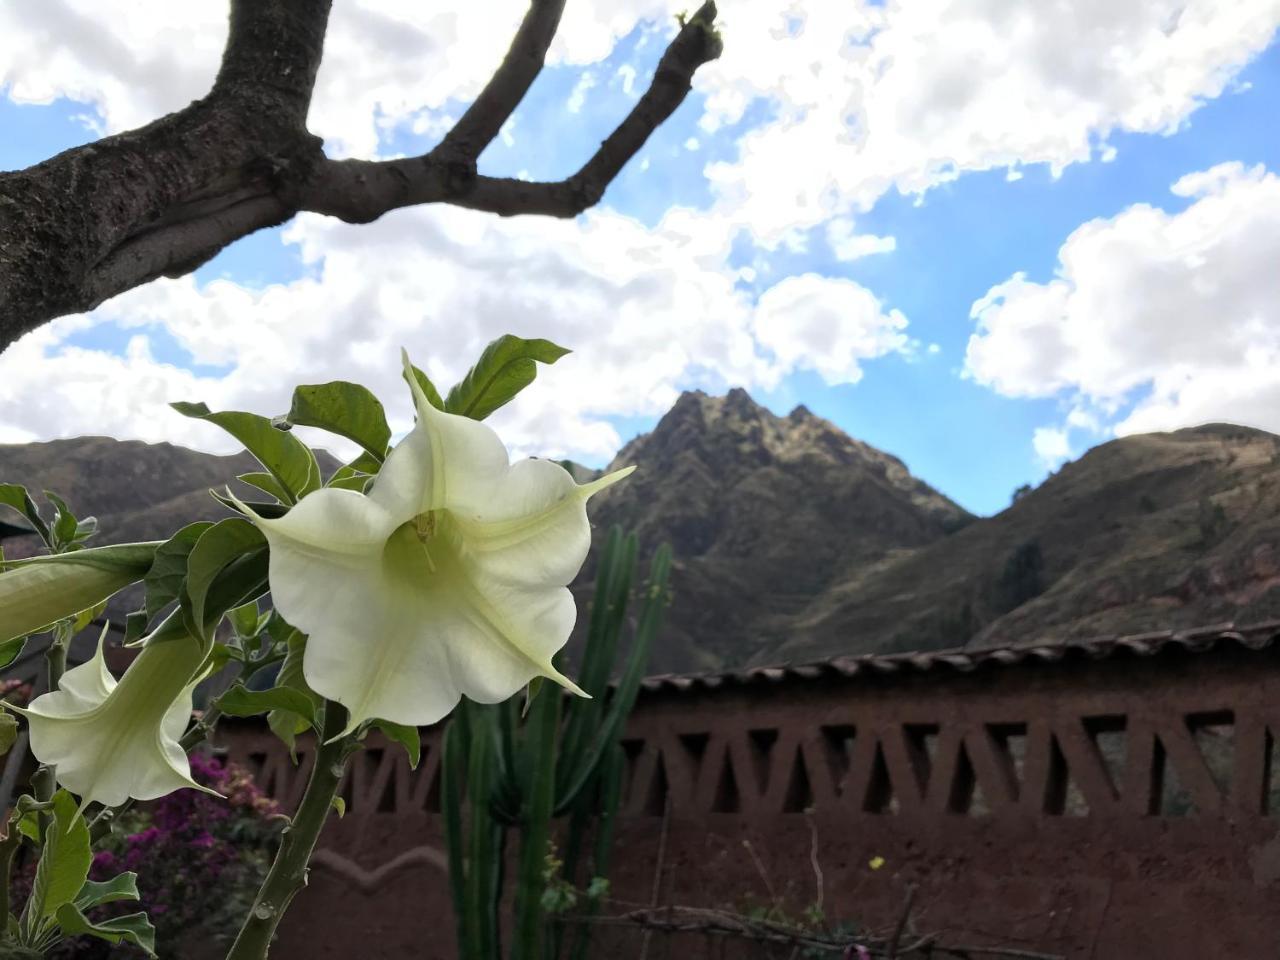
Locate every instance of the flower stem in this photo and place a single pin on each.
(44, 782)
(8, 847)
(288, 873)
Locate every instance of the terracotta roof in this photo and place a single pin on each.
(963, 660)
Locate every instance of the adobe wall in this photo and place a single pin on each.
(1094, 808)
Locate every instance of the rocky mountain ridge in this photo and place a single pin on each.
(795, 542)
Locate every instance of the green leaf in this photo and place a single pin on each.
(29, 826)
(245, 619)
(352, 481)
(347, 409)
(87, 616)
(132, 928)
(10, 650)
(240, 701)
(408, 737)
(85, 529)
(164, 580)
(15, 495)
(428, 388)
(288, 459)
(64, 861)
(123, 886)
(64, 521)
(266, 483)
(218, 547)
(135, 626)
(506, 367)
(262, 508)
(287, 724)
(221, 654)
(339, 806)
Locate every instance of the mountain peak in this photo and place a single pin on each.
(762, 510)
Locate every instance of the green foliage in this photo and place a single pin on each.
(507, 771)
(63, 867)
(169, 568)
(507, 366)
(408, 737)
(288, 724)
(288, 459)
(61, 892)
(240, 701)
(228, 542)
(428, 388)
(347, 409)
(16, 497)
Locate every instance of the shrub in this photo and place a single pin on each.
(199, 860)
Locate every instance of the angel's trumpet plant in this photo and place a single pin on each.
(114, 740)
(448, 578)
(36, 593)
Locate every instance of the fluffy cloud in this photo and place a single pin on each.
(863, 96)
(827, 325)
(1158, 319)
(646, 311)
(1052, 446)
(868, 97)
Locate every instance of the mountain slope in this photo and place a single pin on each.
(762, 512)
(1149, 532)
(795, 542)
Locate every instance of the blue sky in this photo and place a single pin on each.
(964, 420)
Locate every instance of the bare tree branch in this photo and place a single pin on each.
(504, 91)
(160, 200)
(359, 191)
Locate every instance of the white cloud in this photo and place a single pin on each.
(848, 245)
(827, 325)
(1154, 320)
(385, 61)
(646, 311)
(578, 95)
(1051, 445)
(868, 98)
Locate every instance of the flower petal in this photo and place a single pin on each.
(126, 745)
(406, 651)
(334, 525)
(456, 460)
(82, 687)
(536, 532)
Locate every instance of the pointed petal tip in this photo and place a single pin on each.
(553, 674)
(243, 507)
(588, 490)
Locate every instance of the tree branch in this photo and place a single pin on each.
(359, 191)
(504, 91)
(274, 47)
(100, 219)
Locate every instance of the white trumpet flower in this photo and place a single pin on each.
(111, 741)
(448, 579)
(36, 593)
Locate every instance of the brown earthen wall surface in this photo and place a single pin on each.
(1111, 808)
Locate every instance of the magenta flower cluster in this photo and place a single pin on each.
(199, 860)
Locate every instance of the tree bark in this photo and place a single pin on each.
(97, 220)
